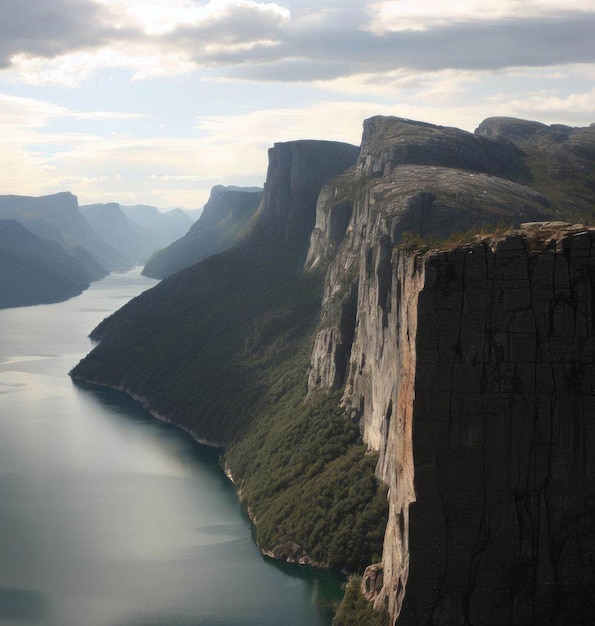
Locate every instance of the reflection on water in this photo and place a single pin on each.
(109, 517)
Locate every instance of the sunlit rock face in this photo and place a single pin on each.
(469, 369)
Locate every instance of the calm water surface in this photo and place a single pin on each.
(109, 518)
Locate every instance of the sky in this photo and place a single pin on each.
(156, 101)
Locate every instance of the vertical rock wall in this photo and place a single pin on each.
(503, 527)
(470, 371)
(473, 374)
(380, 391)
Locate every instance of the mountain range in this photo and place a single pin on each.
(87, 243)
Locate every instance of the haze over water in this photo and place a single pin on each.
(110, 518)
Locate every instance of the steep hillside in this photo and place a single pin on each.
(220, 225)
(221, 349)
(34, 270)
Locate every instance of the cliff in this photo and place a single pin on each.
(220, 226)
(446, 348)
(468, 368)
(478, 393)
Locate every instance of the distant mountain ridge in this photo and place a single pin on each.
(57, 217)
(136, 232)
(34, 270)
(164, 227)
(93, 239)
(220, 225)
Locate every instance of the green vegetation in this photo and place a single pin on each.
(355, 610)
(222, 348)
(306, 477)
(412, 241)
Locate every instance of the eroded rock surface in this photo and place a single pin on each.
(469, 368)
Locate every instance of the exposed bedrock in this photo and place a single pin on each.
(428, 201)
(470, 368)
(297, 171)
(480, 393)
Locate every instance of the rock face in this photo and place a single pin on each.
(364, 212)
(221, 224)
(469, 369)
(297, 170)
(477, 388)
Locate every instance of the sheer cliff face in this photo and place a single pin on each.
(503, 527)
(470, 371)
(363, 213)
(297, 170)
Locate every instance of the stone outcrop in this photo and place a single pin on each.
(468, 362)
(362, 213)
(558, 159)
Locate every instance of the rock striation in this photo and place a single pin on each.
(467, 360)
(297, 171)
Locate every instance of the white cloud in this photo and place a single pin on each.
(157, 17)
(400, 15)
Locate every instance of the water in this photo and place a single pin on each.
(110, 518)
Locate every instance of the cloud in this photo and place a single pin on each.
(68, 41)
(49, 29)
(400, 15)
(489, 45)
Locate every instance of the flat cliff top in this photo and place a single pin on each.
(531, 237)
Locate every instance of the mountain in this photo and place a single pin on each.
(132, 241)
(34, 270)
(164, 228)
(220, 225)
(411, 327)
(57, 217)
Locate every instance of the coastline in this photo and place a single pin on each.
(290, 551)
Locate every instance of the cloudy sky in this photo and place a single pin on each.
(156, 101)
